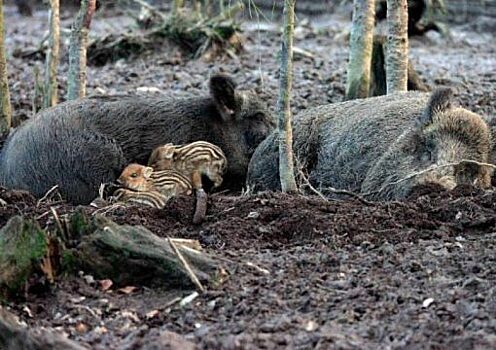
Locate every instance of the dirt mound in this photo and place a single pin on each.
(304, 273)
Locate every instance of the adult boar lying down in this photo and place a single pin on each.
(373, 146)
(81, 144)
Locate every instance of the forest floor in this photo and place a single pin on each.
(304, 273)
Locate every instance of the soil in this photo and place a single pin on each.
(303, 272)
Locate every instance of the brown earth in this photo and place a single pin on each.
(304, 273)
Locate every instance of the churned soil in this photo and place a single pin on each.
(303, 272)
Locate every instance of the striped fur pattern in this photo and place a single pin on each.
(193, 159)
(141, 178)
(150, 198)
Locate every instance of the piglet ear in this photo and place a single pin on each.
(223, 91)
(147, 172)
(440, 101)
(168, 151)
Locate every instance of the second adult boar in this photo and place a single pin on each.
(375, 146)
(80, 144)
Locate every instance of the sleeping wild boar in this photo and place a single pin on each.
(80, 144)
(373, 146)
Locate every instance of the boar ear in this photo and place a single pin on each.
(147, 171)
(439, 101)
(223, 91)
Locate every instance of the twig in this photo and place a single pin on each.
(59, 223)
(313, 189)
(301, 52)
(228, 13)
(107, 209)
(332, 189)
(190, 272)
(151, 9)
(258, 268)
(351, 194)
(193, 244)
(44, 198)
(432, 168)
(43, 215)
(101, 190)
(170, 303)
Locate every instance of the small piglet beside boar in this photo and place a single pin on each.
(373, 146)
(81, 144)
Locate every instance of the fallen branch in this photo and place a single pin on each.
(132, 255)
(125, 254)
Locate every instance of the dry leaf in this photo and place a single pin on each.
(77, 300)
(100, 330)
(185, 301)
(152, 314)
(311, 326)
(427, 302)
(127, 290)
(81, 327)
(27, 310)
(131, 315)
(105, 284)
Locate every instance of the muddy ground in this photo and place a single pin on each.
(414, 274)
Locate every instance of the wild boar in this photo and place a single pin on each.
(80, 144)
(374, 146)
(153, 199)
(193, 159)
(141, 178)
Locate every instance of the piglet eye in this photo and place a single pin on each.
(134, 175)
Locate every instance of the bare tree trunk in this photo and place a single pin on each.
(177, 4)
(362, 32)
(286, 163)
(52, 60)
(5, 109)
(76, 81)
(397, 46)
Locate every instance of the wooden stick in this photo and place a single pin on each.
(42, 199)
(190, 272)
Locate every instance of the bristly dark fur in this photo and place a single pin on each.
(440, 100)
(80, 144)
(368, 145)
